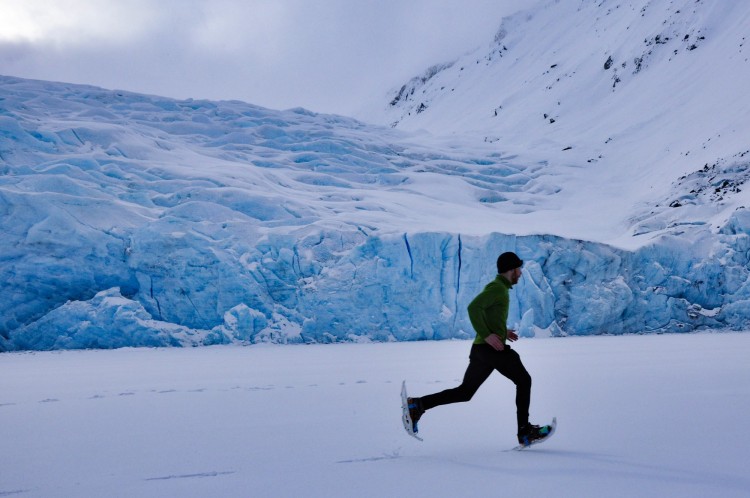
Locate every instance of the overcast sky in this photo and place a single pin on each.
(325, 55)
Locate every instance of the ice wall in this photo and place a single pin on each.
(128, 220)
(327, 286)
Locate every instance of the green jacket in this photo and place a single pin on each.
(488, 312)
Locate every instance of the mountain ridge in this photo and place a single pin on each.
(649, 87)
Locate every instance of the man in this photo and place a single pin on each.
(488, 313)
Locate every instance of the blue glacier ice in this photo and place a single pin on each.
(327, 286)
(129, 220)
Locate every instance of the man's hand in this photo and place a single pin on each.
(512, 336)
(494, 341)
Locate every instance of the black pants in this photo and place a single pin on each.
(482, 361)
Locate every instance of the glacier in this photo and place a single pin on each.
(333, 286)
(131, 220)
(107, 243)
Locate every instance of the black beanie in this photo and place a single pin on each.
(508, 261)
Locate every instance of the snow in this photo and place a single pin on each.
(648, 415)
(321, 260)
(621, 99)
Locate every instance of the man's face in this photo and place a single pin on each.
(515, 276)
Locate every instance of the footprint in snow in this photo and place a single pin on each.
(190, 476)
(386, 456)
(15, 492)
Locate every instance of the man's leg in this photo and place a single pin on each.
(509, 364)
(476, 373)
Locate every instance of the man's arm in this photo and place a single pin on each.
(478, 315)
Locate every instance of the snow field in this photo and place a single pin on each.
(654, 415)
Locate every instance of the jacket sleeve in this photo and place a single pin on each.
(478, 315)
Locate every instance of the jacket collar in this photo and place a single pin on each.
(504, 281)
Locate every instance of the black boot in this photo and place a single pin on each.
(530, 433)
(415, 411)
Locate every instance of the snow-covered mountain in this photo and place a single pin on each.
(641, 100)
(133, 220)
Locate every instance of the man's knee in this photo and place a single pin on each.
(465, 393)
(523, 381)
